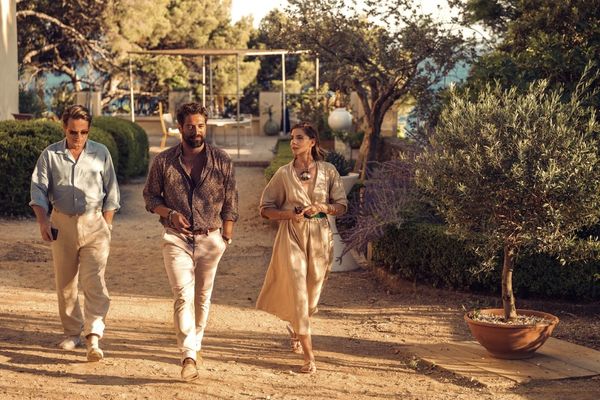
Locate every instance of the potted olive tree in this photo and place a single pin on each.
(515, 173)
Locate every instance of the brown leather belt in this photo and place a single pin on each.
(203, 231)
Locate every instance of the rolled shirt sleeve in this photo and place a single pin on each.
(337, 195)
(229, 212)
(153, 190)
(111, 186)
(41, 181)
(273, 195)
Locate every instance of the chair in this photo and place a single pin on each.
(247, 127)
(167, 125)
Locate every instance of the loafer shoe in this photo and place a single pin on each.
(70, 342)
(189, 372)
(94, 354)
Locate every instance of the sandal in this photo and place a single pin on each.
(309, 367)
(295, 344)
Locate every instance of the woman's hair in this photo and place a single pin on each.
(309, 130)
(76, 112)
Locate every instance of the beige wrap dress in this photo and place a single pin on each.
(303, 251)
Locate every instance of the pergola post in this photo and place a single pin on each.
(283, 101)
(211, 106)
(131, 99)
(203, 81)
(317, 80)
(237, 68)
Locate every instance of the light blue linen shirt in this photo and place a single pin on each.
(75, 186)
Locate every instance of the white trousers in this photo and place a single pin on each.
(191, 267)
(79, 254)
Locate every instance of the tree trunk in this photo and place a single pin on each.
(368, 148)
(508, 298)
(363, 154)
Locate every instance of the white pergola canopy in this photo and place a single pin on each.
(239, 54)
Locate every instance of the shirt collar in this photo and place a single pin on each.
(88, 149)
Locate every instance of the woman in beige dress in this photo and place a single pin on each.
(300, 196)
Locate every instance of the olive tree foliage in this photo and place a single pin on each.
(383, 50)
(517, 172)
(535, 39)
(175, 24)
(60, 36)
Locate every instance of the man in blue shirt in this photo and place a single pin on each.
(76, 176)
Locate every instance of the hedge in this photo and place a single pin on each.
(132, 143)
(426, 254)
(283, 155)
(21, 143)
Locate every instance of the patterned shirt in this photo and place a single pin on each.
(206, 205)
(75, 186)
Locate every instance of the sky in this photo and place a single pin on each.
(258, 9)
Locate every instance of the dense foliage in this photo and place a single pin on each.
(132, 143)
(535, 39)
(518, 172)
(62, 36)
(385, 51)
(426, 254)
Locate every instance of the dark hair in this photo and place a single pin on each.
(76, 111)
(309, 130)
(190, 109)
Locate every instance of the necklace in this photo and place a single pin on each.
(305, 174)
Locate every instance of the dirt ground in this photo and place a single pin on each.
(360, 332)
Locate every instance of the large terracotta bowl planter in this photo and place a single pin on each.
(511, 341)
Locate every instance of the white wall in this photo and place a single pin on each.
(9, 73)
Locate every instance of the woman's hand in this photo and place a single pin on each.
(315, 209)
(297, 214)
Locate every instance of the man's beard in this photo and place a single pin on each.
(194, 141)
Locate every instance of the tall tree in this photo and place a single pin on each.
(59, 36)
(173, 24)
(385, 51)
(535, 39)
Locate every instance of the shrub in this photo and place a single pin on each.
(141, 138)
(427, 254)
(101, 136)
(132, 145)
(343, 166)
(283, 155)
(52, 131)
(18, 155)
(21, 143)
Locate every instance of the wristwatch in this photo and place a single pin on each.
(226, 239)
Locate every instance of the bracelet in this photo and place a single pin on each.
(170, 216)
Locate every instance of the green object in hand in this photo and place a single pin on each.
(317, 215)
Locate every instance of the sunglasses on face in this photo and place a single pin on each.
(80, 133)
